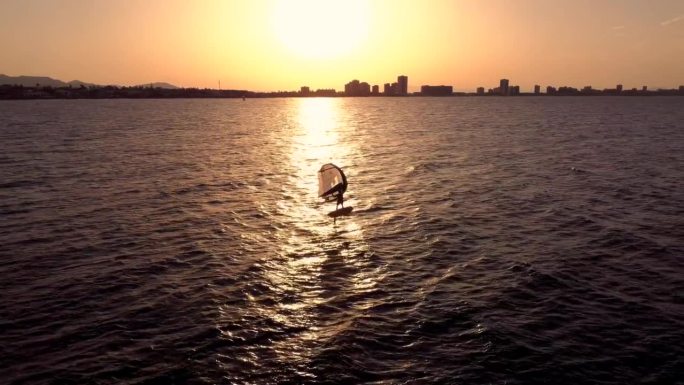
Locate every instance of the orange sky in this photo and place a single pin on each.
(268, 45)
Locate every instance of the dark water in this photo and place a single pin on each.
(493, 241)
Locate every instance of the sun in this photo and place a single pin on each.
(321, 29)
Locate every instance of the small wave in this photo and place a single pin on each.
(20, 183)
(373, 208)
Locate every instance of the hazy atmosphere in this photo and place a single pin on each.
(268, 45)
(391, 192)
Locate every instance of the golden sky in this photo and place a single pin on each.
(269, 45)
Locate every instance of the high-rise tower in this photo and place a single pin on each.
(503, 86)
(403, 84)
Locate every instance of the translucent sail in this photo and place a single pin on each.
(331, 181)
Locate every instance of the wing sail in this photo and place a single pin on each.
(331, 181)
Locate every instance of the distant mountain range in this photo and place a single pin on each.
(44, 81)
(31, 81)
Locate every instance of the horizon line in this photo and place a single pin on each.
(415, 88)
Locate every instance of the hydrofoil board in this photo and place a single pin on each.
(343, 211)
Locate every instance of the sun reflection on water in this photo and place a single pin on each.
(316, 140)
(313, 249)
(315, 276)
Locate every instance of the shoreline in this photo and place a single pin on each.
(25, 93)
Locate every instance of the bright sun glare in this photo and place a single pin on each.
(321, 29)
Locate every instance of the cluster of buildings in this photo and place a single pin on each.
(306, 91)
(436, 90)
(357, 88)
(618, 90)
(504, 89)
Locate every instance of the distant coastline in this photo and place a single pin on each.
(34, 87)
(8, 92)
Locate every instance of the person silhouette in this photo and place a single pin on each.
(340, 199)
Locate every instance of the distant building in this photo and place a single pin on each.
(351, 88)
(565, 90)
(644, 88)
(681, 89)
(608, 91)
(618, 88)
(514, 90)
(480, 90)
(376, 90)
(537, 89)
(325, 92)
(304, 91)
(394, 89)
(503, 86)
(387, 89)
(402, 82)
(356, 88)
(436, 90)
(550, 90)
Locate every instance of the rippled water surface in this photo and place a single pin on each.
(493, 240)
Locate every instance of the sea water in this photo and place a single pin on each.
(493, 240)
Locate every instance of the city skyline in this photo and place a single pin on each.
(268, 45)
(357, 88)
(31, 88)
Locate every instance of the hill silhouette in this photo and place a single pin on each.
(43, 81)
(46, 81)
